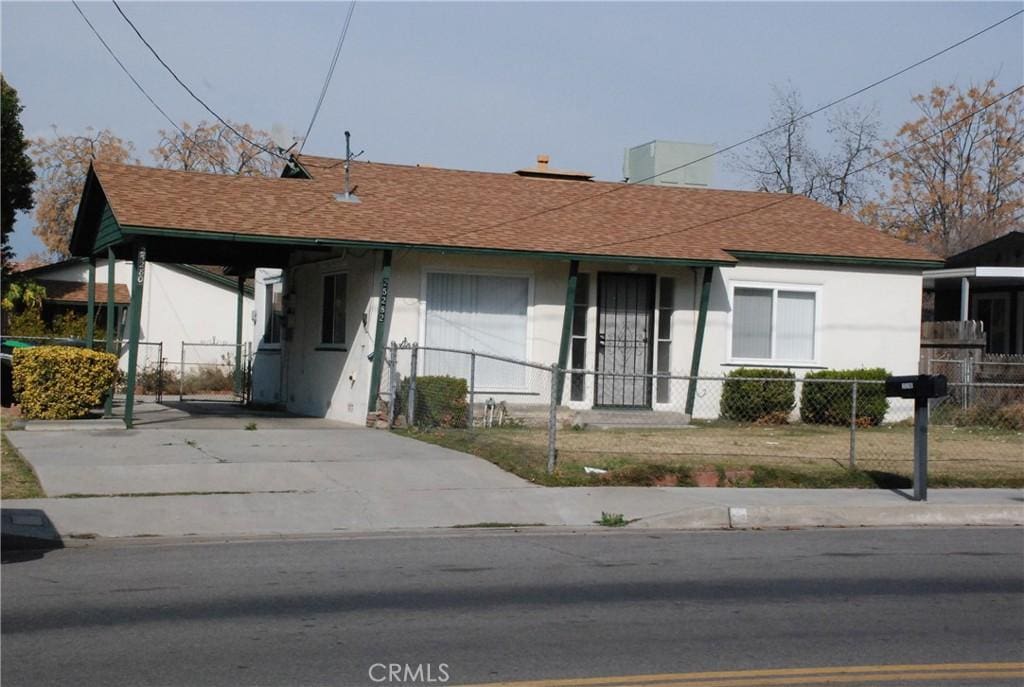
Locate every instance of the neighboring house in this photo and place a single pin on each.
(182, 303)
(986, 284)
(488, 261)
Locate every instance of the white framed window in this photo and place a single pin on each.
(273, 313)
(482, 312)
(332, 322)
(775, 324)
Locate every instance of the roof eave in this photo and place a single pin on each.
(853, 260)
(304, 242)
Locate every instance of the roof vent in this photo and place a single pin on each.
(542, 171)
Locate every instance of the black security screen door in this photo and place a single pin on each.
(625, 328)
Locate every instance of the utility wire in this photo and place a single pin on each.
(189, 90)
(837, 101)
(128, 73)
(330, 73)
(792, 196)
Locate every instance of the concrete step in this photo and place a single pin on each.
(643, 419)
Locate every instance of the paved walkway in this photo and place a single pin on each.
(319, 477)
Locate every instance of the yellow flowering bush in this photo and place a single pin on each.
(61, 382)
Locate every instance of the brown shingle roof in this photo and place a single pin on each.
(481, 210)
(78, 292)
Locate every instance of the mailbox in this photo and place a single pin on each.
(916, 386)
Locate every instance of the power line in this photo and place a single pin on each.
(330, 73)
(189, 90)
(837, 101)
(125, 70)
(792, 196)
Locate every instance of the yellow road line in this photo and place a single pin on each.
(823, 675)
(874, 679)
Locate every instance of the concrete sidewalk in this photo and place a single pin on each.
(297, 481)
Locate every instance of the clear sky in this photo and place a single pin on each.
(487, 85)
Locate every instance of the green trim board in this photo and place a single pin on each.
(108, 404)
(299, 243)
(834, 259)
(698, 338)
(134, 329)
(90, 309)
(380, 334)
(567, 315)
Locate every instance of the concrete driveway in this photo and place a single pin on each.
(116, 462)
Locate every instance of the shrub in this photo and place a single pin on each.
(831, 403)
(153, 379)
(29, 323)
(748, 400)
(440, 401)
(998, 417)
(207, 379)
(60, 382)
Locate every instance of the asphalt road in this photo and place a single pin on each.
(496, 606)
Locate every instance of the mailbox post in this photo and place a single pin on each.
(920, 388)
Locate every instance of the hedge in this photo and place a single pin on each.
(61, 382)
(748, 400)
(440, 401)
(832, 403)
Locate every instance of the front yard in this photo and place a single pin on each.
(749, 454)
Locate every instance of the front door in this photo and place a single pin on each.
(625, 328)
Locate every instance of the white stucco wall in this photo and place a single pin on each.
(868, 318)
(176, 307)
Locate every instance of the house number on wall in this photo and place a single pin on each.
(140, 266)
(382, 309)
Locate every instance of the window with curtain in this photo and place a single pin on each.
(476, 312)
(332, 330)
(773, 324)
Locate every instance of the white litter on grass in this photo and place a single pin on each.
(593, 471)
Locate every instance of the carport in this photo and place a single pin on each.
(117, 230)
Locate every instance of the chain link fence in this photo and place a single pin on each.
(212, 372)
(726, 424)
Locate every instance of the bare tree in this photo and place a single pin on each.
(841, 184)
(213, 147)
(782, 162)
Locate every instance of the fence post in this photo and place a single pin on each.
(392, 383)
(160, 372)
(472, 381)
(411, 410)
(181, 375)
(553, 417)
(853, 426)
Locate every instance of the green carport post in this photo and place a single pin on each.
(698, 340)
(378, 342)
(90, 309)
(563, 346)
(108, 407)
(134, 325)
(238, 335)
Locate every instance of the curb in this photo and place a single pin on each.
(911, 515)
(71, 425)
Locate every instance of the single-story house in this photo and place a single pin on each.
(985, 284)
(541, 264)
(182, 303)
